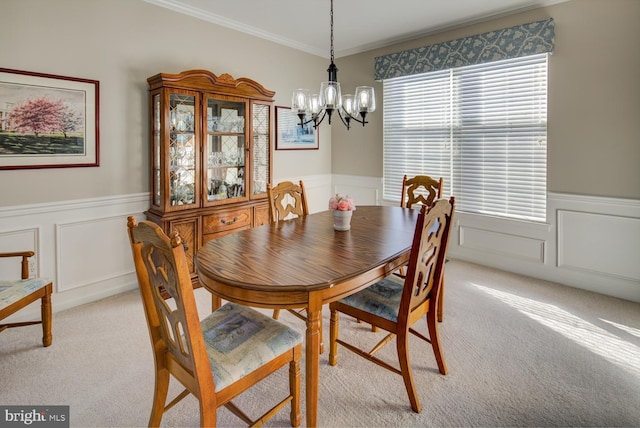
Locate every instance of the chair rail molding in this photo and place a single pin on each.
(588, 242)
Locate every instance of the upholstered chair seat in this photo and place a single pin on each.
(239, 340)
(13, 291)
(382, 299)
(17, 294)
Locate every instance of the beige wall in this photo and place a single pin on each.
(121, 43)
(594, 98)
(594, 90)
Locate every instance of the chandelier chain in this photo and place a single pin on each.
(331, 16)
(314, 108)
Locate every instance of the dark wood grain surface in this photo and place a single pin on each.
(307, 253)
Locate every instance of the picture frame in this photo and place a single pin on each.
(289, 134)
(48, 121)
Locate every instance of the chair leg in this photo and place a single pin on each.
(432, 325)
(333, 336)
(441, 300)
(276, 314)
(208, 414)
(47, 338)
(159, 397)
(402, 345)
(373, 327)
(294, 387)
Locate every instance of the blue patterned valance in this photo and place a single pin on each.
(521, 40)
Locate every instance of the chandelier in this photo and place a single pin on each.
(314, 108)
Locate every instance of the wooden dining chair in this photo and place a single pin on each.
(416, 191)
(287, 200)
(215, 359)
(395, 305)
(16, 294)
(420, 189)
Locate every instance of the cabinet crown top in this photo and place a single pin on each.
(206, 80)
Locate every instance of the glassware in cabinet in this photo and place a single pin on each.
(225, 150)
(182, 150)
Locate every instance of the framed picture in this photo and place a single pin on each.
(47, 121)
(290, 135)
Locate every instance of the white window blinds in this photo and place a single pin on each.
(481, 127)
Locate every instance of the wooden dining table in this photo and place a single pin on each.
(305, 263)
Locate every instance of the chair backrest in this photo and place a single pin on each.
(420, 189)
(426, 262)
(176, 334)
(287, 199)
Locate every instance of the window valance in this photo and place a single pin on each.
(521, 40)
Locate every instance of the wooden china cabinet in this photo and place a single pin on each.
(211, 146)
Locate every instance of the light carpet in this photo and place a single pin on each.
(520, 352)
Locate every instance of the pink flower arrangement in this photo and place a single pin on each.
(342, 203)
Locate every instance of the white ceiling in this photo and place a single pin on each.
(359, 25)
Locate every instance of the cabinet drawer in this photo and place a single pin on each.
(210, 236)
(226, 220)
(261, 215)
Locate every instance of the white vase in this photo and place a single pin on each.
(341, 220)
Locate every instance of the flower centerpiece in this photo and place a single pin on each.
(341, 207)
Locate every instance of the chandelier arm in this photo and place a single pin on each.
(363, 121)
(315, 120)
(346, 119)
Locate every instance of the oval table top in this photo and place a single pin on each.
(306, 253)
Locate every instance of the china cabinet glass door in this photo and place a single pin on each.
(261, 149)
(156, 141)
(225, 161)
(183, 150)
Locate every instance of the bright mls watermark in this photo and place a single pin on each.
(34, 416)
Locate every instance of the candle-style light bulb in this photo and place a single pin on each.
(365, 99)
(300, 101)
(330, 97)
(314, 105)
(348, 104)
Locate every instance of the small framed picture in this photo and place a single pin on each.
(48, 121)
(290, 135)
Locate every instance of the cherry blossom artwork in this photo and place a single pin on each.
(47, 121)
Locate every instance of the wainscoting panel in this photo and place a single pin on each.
(82, 245)
(92, 251)
(502, 244)
(19, 240)
(363, 190)
(599, 244)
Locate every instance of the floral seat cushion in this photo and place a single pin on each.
(12, 291)
(240, 339)
(381, 299)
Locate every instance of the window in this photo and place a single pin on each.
(481, 127)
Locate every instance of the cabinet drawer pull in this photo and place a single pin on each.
(223, 221)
